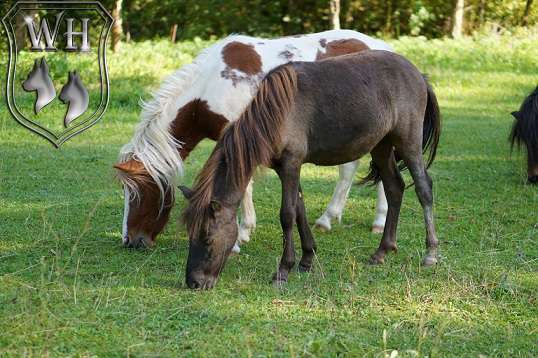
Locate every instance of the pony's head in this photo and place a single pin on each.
(525, 132)
(38, 77)
(147, 205)
(212, 227)
(72, 88)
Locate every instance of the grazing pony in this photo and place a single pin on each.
(525, 132)
(76, 96)
(327, 113)
(197, 102)
(39, 80)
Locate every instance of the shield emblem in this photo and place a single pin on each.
(57, 83)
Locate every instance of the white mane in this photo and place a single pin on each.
(152, 143)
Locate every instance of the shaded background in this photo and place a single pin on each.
(149, 19)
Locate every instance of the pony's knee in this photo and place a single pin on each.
(287, 218)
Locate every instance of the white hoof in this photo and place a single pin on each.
(323, 224)
(429, 260)
(377, 229)
(243, 236)
(236, 249)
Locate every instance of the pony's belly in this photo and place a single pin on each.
(331, 158)
(343, 147)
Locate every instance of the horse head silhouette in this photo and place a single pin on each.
(76, 96)
(40, 81)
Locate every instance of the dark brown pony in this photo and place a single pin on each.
(525, 132)
(326, 113)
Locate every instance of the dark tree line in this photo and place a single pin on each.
(148, 19)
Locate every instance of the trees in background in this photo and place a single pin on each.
(117, 30)
(148, 19)
(457, 22)
(526, 13)
(335, 13)
(431, 18)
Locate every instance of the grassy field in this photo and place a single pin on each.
(68, 288)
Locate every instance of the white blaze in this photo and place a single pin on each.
(125, 213)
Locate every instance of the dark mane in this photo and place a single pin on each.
(247, 143)
(525, 127)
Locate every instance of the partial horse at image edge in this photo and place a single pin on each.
(525, 133)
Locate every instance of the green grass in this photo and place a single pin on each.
(67, 287)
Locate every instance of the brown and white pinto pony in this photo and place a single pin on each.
(197, 102)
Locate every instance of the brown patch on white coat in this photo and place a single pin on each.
(340, 47)
(242, 63)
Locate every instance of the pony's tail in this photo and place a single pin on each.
(432, 126)
(431, 133)
(525, 127)
(253, 139)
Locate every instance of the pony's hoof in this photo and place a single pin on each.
(243, 237)
(323, 224)
(236, 249)
(279, 280)
(429, 261)
(377, 229)
(304, 268)
(376, 260)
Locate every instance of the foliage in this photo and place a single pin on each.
(68, 288)
(418, 20)
(146, 19)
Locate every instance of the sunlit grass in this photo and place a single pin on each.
(67, 287)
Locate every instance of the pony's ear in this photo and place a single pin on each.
(131, 167)
(187, 193)
(515, 114)
(36, 63)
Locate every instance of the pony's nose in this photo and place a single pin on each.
(193, 283)
(137, 241)
(200, 281)
(533, 179)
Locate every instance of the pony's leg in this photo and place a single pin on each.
(248, 216)
(289, 178)
(381, 210)
(383, 156)
(338, 200)
(308, 244)
(423, 188)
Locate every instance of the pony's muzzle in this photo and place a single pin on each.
(200, 282)
(137, 241)
(533, 179)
